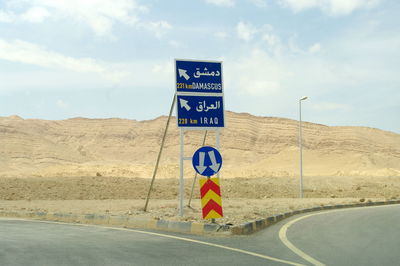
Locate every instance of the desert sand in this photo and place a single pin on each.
(104, 166)
(243, 199)
(251, 147)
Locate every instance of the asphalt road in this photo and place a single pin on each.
(361, 236)
(365, 236)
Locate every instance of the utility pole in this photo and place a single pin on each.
(301, 148)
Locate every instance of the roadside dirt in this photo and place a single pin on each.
(236, 211)
(101, 188)
(243, 199)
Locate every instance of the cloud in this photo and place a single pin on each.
(35, 15)
(55, 71)
(328, 106)
(315, 48)
(162, 68)
(100, 15)
(256, 74)
(259, 35)
(232, 3)
(221, 35)
(175, 44)
(246, 31)
(6, 17)
(226, 3)
(271, 39)
(159, 28)
(259, 3)
(30, 53)
(357, 61)
(32, 15)
(61, 104)
(331, 7)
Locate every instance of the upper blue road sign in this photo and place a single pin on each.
(198, 76)
(200, 111)
(207, 161)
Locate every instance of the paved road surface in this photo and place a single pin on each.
(362, 236)
(366, 236)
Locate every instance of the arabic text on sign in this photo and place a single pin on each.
(203, 107)
(198, 74)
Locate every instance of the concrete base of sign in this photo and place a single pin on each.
(125, 221)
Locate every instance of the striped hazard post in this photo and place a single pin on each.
(211, 198)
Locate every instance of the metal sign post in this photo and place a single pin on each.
(195, 175)
(181, 180)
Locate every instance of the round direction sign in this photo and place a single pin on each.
(207, 161)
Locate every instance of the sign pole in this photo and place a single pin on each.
(195, 175)
(181, 180)
(217, 140)
(159, 153)
(217, 143)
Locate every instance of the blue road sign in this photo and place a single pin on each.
(200, 111)
(207, 161)
(198, 76)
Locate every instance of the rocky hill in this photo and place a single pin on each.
(251, 147)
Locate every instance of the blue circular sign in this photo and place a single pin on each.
(207, 161)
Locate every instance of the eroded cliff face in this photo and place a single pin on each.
(251, 147)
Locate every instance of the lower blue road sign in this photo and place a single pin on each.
(207, 161)
(200, 111)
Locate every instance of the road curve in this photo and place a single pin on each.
(354, 236)
(24, 242)
(359, 236)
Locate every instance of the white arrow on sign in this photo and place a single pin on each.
(184, 104)
(182, 73)
(201, 168)
(214, 165)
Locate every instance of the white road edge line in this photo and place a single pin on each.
(288, 244)
(167, 236)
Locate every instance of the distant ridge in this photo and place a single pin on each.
(251, 146)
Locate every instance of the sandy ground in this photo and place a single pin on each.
(251, 147)
(103, 166)
(236, 211)
(101, 188)
(243, 199)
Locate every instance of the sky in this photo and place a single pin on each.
(100, 58)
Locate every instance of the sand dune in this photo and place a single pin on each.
(251, 147)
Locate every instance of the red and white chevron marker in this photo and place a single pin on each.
(210, 198)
